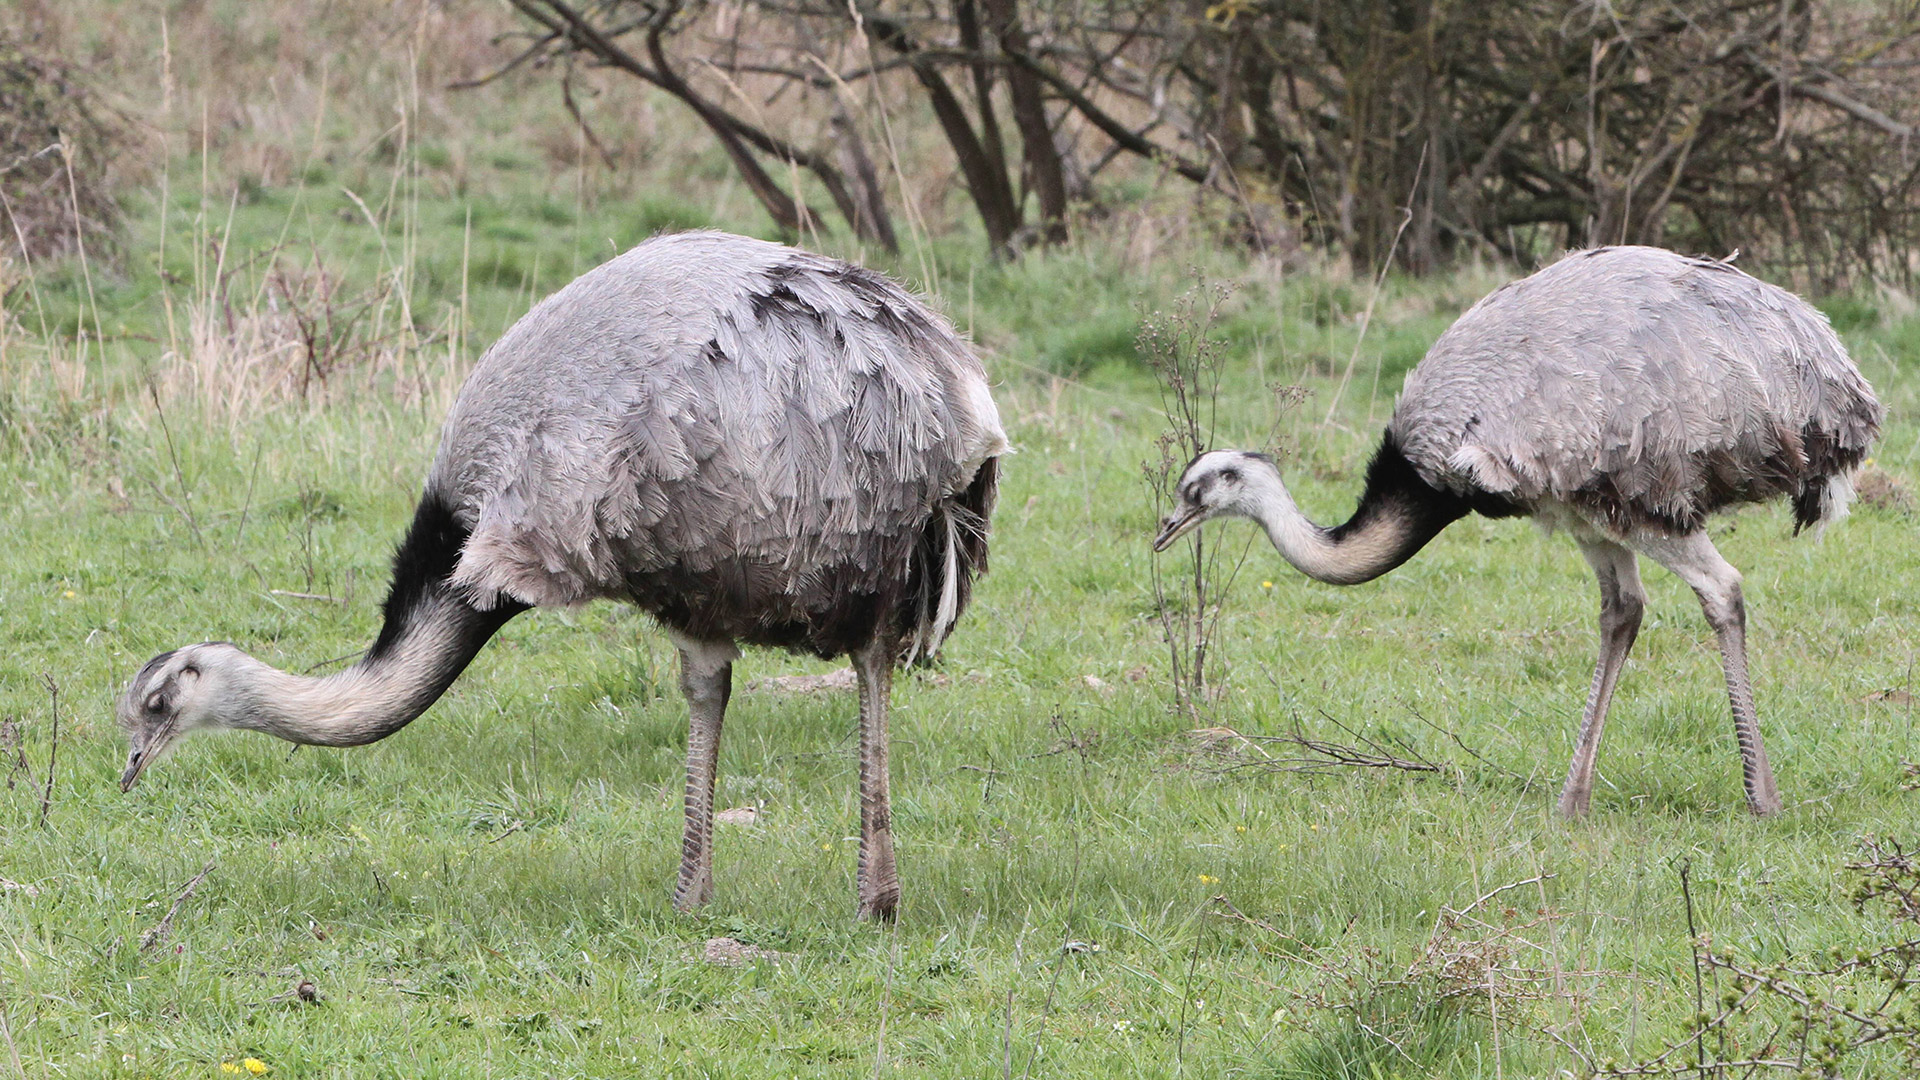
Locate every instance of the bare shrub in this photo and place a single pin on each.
(273, 332)
(1188, 361)
(59, 148)
(1814, 1015)
(1179, 346)
(1522, 128)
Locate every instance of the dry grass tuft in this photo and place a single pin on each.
(1877, 488)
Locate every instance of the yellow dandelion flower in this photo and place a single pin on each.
(826, 847)
(1266, 584)
(256, 1066)
(1226, 11)
(69, 594)
(1209, 879)
(1240, 828)
(231, 1067)
(1315, 826)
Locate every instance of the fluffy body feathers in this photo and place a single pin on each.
(748, 440)
(1642, 388)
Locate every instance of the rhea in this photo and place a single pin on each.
(1623, 394)
(752, 443)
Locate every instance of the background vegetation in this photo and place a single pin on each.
(214, 428)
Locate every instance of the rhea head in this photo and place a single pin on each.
(170, 697)
(1219, 483)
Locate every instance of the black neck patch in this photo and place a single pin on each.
(1395, 491)
(421, 569)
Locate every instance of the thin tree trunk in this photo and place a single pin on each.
(1043, 170)
(992, 195)
(967, 21)
(870, 204)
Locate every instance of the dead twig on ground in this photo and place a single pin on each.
(1296, 751)
(164, 927)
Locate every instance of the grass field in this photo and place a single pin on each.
(486, 893)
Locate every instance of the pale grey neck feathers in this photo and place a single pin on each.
(367, 702)
(1363, 549)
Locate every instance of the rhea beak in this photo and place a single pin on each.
(136, 764)
(1178, 524)
(142, 753)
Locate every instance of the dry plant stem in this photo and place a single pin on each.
(1454, 737)
(1188, 363)
(53, 747)
(1186, 998)
(1373, 297)
(1321, 755)
(1693, 934)
(179, 476)
(165, 926)
(13, 1052)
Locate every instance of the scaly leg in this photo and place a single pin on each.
(1621, 602)
(1695, 560)
(706, 678)
(879, 885)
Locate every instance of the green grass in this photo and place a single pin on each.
(486, 893)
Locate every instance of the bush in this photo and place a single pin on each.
(58, 156)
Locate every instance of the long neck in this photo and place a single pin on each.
(379, 695)
(431, 634)
(1397, 515)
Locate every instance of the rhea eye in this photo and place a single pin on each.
(190, 670)
(1231, 476)
(156, 702)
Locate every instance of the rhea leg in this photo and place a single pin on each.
(1694, 560)
(1621, 602)
(879, 885)
(706, 678)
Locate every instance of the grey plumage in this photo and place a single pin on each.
(771, 425)
(1639, 386)
(1623, 394)
(753, 443)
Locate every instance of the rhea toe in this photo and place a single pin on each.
(754, 444)
(1623, 394)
